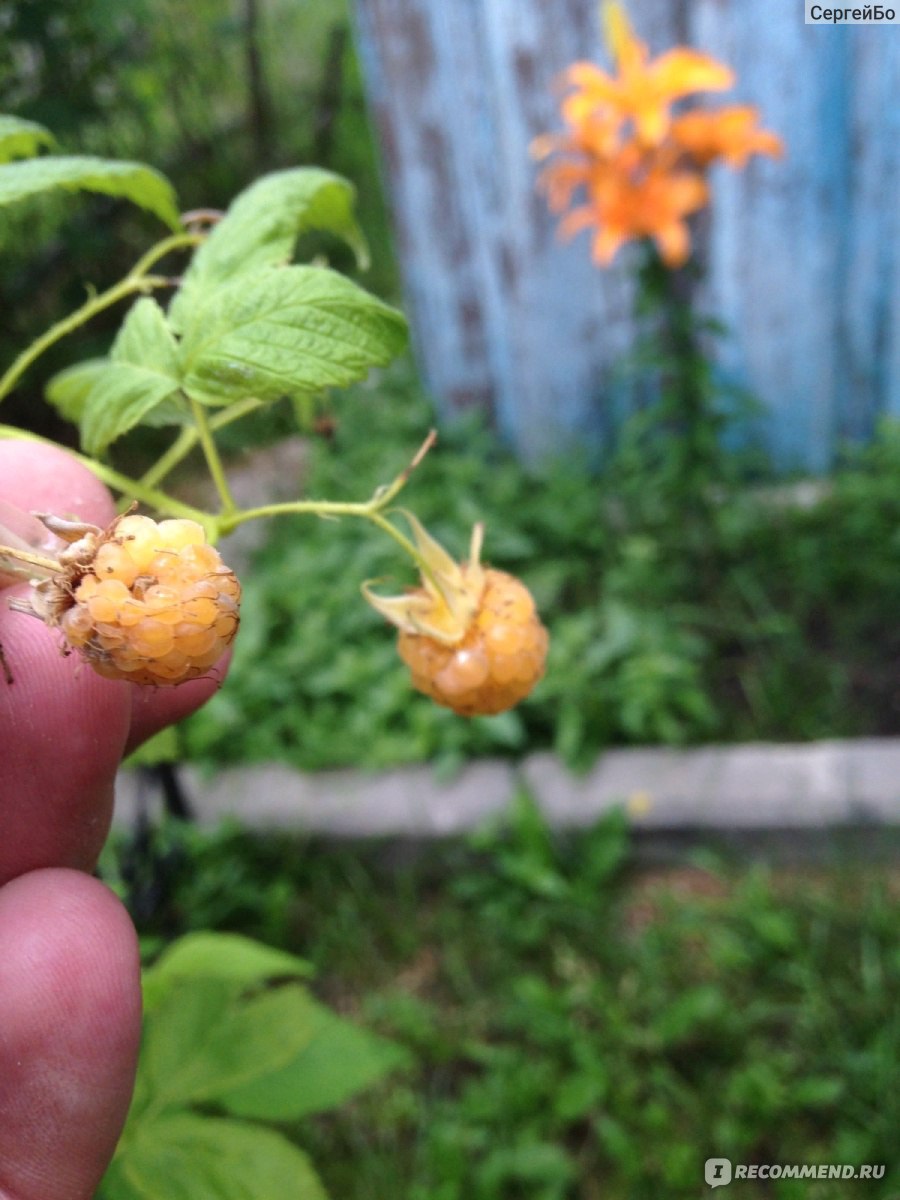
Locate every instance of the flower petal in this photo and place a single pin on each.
(681, 71)
(674, 243)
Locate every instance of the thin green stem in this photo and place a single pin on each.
(316, 508)
(188, 438)
(211, 454)
(371, 509)
(368, 510)
(177, 241)
(401, 539)
(180, 448)
(137, 280)
(234, 412)
(70, 323)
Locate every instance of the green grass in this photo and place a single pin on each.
(581, 1029)
(754, 621)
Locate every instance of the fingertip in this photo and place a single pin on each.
(71, 1019)
(155, 708)
(43, 477)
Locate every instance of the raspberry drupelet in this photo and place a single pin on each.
(148, 602)
(470, 635)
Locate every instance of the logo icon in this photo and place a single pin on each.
(717, 1171)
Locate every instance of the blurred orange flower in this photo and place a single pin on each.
(731, 133)
(654, 205)
(640, 166)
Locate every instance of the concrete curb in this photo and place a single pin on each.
(820, 786)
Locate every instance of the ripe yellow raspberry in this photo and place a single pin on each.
(495, 665)
(144, 601)
(470, 635)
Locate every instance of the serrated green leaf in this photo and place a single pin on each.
(285, 331)
(145, 339)
(205, 1038)
(68, 390)
(339, 1060)
(22, 139)
(186, 1157)
(121, 397)
(142, 185)
(225, 956)
(137, 384)
(261, 229)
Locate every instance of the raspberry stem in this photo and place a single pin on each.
(137, 280)
(370, 510)
(188, 437)
(211, 454)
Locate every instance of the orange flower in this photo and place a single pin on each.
(643, 89)
(624, 206)
(730, 133)
(640, 168)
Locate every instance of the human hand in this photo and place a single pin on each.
(69, 970)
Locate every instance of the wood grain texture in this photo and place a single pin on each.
(802, 256)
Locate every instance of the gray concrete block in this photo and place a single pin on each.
(818, 786)
(405, 803)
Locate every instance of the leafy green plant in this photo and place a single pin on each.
(580, 1024)
(233, 1040)
(244, 326)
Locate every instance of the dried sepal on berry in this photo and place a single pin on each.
(470, 635)
(26, 545)
(148, 602)
(444, 606)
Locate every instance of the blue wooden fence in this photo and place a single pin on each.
(803, 255)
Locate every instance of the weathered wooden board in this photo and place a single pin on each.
(803, 256)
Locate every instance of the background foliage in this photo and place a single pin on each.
(580, 1028)
(757, 618)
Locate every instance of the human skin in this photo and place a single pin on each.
(69, 970)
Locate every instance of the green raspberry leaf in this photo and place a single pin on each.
(68, 390)
(22, 139)
(137, 384)
(261, 229)
(123, 396)
(225, 956)
(286, 331)
(181, 1156)
(133, 181)
(145, 339)
(204, 1038)
(339, 1060)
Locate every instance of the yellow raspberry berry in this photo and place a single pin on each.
(470, 635)
(150, 603)
(495, 665)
